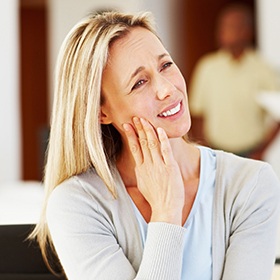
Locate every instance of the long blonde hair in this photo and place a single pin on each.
(77, 139)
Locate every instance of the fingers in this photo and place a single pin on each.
(152, 145)
(133, 143)
(165, 147)
(145, 146)
(148, 140)
(143, 141)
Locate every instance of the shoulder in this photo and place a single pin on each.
(210, 61)
(240, 168)
(254, 55)
(256, 59)
(209, 58)
(247, 193)
(87, 184)
(83, 193)
(240, 178)
(226, 158)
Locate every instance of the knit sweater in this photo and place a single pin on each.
(97, 236)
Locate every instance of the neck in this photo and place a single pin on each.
(187, 157)
(126, 165)
(236, 52)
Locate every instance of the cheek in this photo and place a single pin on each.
(135, 110)
(123, 110)
(123, 113)
(179, 80)
(181, 84)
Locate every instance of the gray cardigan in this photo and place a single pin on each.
(97, 236)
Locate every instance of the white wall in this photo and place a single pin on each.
(269, 30)
(10, 153)
(269, 42)
(164, 17)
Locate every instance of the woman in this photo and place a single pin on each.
(126, 196)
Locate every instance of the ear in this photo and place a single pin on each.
(104, 116)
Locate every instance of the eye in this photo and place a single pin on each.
(166, 65)
(138, 84)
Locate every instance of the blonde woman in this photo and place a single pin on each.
(126, 196)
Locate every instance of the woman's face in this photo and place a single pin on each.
(141, 80)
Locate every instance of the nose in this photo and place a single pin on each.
(163, 87)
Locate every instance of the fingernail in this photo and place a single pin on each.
(159, 130)
(126, 126)
(143, 121)
(136, 120)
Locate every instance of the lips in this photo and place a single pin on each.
(171, 112)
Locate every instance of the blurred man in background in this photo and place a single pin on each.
(224, 89)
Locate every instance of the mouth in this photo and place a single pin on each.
(171, 112)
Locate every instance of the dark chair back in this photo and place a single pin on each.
(21, 259)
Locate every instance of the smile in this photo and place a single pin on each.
(171, 112)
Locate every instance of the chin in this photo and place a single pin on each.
(178, 132)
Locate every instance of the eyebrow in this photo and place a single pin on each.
(141, 68)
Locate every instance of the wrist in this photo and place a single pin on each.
(173, 217)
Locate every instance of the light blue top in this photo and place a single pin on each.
(197, 258)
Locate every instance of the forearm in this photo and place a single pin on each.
(163, 251)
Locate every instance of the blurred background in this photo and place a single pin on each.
(32, 32)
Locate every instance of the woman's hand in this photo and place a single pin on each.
(158, 175)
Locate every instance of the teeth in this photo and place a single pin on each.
(171, 112)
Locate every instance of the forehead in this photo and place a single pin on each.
(138, 42)
(138, 49)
